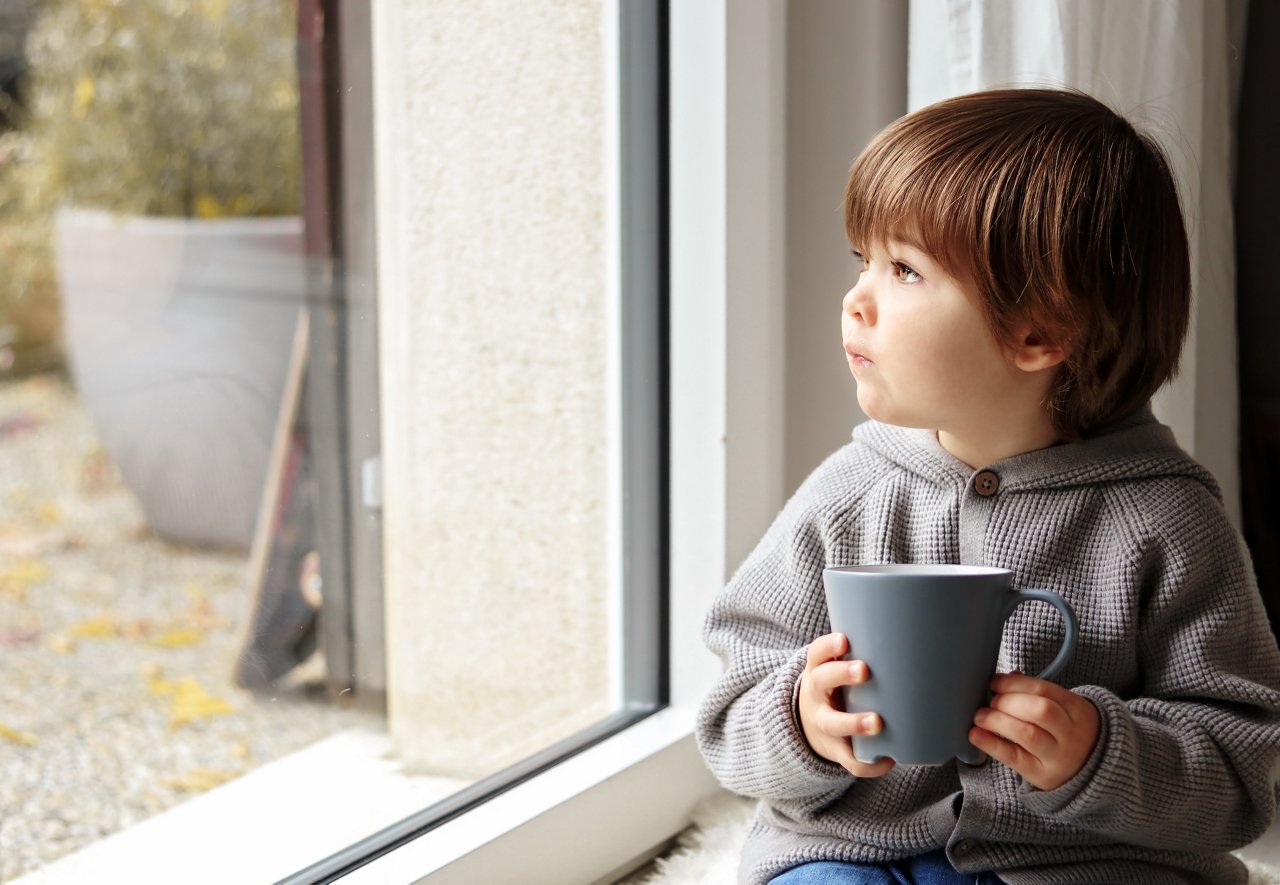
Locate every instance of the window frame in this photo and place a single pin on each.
(725, 476)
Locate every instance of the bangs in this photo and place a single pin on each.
(921, 191)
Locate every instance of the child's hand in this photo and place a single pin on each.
(825, 724)
(1037, 728)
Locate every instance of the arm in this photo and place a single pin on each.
(761, 626)
(1193, 759)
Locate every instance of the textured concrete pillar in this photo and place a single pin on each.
(494, 353)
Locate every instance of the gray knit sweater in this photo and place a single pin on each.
(1175, 651)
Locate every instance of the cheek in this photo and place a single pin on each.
(943, 358)
(971, 366)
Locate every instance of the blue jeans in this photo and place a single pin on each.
(927, 869)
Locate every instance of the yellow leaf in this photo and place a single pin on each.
(177, 638)
(197, 780)
(207, 206)
(191, 701)
(29, 570)
(157, 684)
(18, 737)
(85, 90)
(15, 579)
(101, 627)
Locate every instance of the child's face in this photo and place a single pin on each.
(920, 347)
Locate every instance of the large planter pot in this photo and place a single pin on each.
(178, 334)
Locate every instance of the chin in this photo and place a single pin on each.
(878, 410)
(871, 407)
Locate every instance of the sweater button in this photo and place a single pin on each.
(986, 483)
(963, 848)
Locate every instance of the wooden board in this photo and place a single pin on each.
(280, 627)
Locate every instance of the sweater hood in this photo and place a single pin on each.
(1137, 447)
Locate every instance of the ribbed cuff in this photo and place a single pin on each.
(809, 772)
(1076, 795)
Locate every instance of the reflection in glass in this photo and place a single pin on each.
(152, 285)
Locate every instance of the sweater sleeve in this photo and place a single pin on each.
(1193, 759)
(760, 625)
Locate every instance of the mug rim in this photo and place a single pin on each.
(926, 570)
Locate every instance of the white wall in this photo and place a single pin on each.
(846, 79)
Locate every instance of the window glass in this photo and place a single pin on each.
(153, 278)
(182, 480)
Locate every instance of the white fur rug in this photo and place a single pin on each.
(707, 852)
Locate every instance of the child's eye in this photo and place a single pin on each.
(906, 273)
(859, 260)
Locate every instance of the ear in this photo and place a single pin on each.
(1034, 352)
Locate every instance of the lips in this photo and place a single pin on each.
(856, 356)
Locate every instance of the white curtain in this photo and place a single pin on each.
(1170, 66)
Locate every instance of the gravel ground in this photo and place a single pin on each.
(116, 648)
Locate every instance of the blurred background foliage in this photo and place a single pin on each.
(138, 107)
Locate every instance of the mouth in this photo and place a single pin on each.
(856, 357)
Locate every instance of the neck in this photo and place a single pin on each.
(979, 447)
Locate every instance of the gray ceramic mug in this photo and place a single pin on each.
(930, 635)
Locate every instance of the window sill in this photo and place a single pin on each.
(288, 814)
(585, 820)
(263, 826)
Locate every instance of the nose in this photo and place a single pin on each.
(858, 303)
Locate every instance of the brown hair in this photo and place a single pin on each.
(1059, 214)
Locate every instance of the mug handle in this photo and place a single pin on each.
(1068, 618)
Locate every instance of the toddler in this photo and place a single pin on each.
(1023, 289)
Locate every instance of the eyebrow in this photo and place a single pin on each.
(909, 242)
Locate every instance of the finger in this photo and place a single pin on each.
(1020, 683)
(843, 755)
(837, 674)
(1039, 710)
(826, 648)
(1027, 735)
(870, 769)
(1006, 752)
(838, 724)
(1076, 707)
